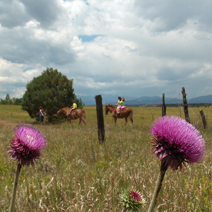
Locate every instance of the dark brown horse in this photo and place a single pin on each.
(76, 114)
(125, 113)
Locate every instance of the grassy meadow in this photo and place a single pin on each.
(76, 173)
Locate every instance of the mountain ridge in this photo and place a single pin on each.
(144, 100)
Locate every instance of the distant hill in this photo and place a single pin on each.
(145, 100)
(106, 99)
(201, 99)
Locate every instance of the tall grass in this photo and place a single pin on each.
(75, 173)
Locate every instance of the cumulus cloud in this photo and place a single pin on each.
(14, 77)
(12, 13)
(173, 15)
(130, 47)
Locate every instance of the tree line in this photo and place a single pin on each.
(11, 101)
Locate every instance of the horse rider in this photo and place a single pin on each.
(120, 105)
(73, 107)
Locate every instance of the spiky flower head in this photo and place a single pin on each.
(176, 142)
(27, 144)
(132, 200)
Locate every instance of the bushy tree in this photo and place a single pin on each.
(17, 101)
(52, 91)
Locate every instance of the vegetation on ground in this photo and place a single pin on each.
(76, 173)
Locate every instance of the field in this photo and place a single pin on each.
(76, 173)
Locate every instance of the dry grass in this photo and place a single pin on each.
(75, 173)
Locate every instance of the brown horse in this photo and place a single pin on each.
(125, 113)
(76, 114)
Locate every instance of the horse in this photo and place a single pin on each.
(76, 114)
(125, 113)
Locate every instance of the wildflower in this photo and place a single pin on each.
(135, 195)
(27, 144)
(132, 200)
(176, 142)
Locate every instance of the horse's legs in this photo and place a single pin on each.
(131, 119)
(131, 116)
(79, 120)
(125, 120)
(115, 119)
(70, 120)
(83, 121)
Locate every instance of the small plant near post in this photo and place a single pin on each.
(163, 105)
(185, 105)
(203, 119)
(176, 142)
(100, 119)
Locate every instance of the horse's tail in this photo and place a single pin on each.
(83, 114)
(131, 115)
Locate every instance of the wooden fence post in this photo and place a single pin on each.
(185, 105)
(163, 105)
(100, 118)
(203, 119)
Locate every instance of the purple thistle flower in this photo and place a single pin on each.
(135, 195)
(132, 200)
(176, 142)
(27, 144)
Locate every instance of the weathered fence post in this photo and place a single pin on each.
(163, 105)
(100, 118)
(203, 119)
(185, 105)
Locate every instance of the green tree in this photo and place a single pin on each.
(52, 91)
(7, 100)
(17, 101)
(7, 97)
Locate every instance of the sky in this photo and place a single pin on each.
(114, 47)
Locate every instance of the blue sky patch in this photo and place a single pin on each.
(88, 38)
(27, 69)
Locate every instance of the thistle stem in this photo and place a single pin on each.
(124, 210)
(162, 172)
(15, 187)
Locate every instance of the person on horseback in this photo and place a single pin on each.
(120, 105)
(73, 107)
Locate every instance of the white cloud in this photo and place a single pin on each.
(19, 92)
(143, 47)
(4, 79)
